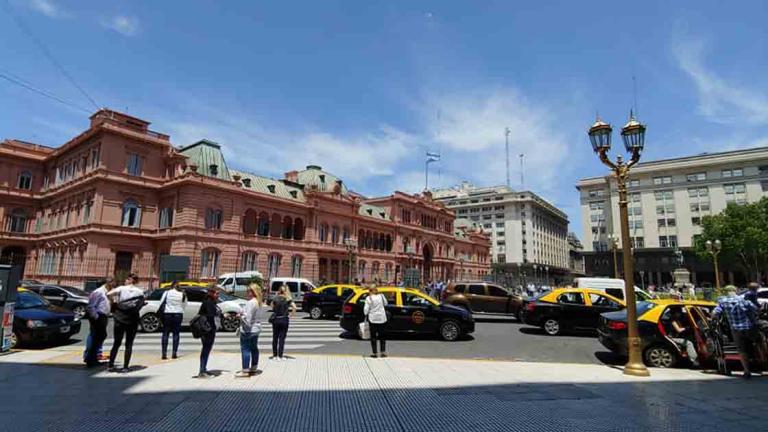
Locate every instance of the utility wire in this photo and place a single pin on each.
(32, 88)
(46, 52)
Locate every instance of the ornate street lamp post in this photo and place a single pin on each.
(713, 248)
(633, 135)
(351, 244)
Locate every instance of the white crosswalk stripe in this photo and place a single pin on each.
(302, 335)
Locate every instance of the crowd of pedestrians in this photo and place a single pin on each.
(124, 302)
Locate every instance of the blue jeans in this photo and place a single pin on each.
(207, 340)
(171, 324)
(249, 349)
(88, 343)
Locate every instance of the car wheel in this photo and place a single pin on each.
(552, 327)
(79, 311)
(660, 356)
(14, 342)
(315, 313)
(230, 322)
(150, 322)
(450, 331)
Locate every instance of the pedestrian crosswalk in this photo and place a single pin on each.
(303, 335)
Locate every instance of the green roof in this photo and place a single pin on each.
(269, 186)
(206, 154)
(373, 211)
(325, 182)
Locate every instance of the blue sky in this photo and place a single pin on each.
(364, 88)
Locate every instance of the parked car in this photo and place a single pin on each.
(411, 311)
(653, 327)
(297, 287)
(483, 297)
(237, 283)
(68, 297)
(230, 306)
(568, 309)
(326, 301)
(762, 296)
(35, 319)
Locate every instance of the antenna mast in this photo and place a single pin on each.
(522, 172)
(506, 146)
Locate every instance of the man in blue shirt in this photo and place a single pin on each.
(751, 294)
(742, 318)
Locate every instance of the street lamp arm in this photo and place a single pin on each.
(635, 158)
(603, 153)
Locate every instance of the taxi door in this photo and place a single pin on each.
(414, 313)
(599, 304)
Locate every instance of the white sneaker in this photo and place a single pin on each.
(282, 359)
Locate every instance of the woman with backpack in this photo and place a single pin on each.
(172, 307)
(250, 328)
(129, 299)
(208, 311)
(282, 305)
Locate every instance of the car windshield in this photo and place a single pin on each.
(225, 296)
(221, 281)
(29, 300)
(74, 291)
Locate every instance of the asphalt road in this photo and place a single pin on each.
(500, 338)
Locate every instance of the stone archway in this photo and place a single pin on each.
(428, 253)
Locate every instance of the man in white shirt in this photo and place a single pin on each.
(173, 303)
(98, 318)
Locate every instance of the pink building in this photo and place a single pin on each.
(119, 196)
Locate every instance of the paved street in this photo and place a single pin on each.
(50, 391)
(494, 338)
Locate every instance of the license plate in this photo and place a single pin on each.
(64, 329)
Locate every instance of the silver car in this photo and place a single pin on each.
(231, 307)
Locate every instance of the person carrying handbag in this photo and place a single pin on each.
(250, 328)
(376, 314)
(209, 309)
(171, 311)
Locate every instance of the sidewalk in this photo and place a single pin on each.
(50, 391)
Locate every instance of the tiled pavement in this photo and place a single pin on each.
(50, 391)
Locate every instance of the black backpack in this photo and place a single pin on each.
(200, 326)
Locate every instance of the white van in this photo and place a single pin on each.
(297, 286)
(237, 283)
(614, 287)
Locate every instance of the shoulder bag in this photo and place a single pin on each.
(200, 326)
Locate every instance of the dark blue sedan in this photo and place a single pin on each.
(37, 320)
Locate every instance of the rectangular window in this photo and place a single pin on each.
(95, 157)
(634, 183)
(661, 222)
(671, 222)
(296, 266)
(638, 242)
(696, 221)
(663, 242)
(166, 217)
(249, 261)
(133, 164)
(696, 177)
(662, 180)
(499, 224)
(694, 207)
(210, 263)
(673, 241)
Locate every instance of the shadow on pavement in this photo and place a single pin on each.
(408, 337)
(374, 399)
(540, 332)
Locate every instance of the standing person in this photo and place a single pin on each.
(98, 318)
(751, 294)
(376, 314)
(209, 310)
(129, 299)
(250, 328)
(742, 318)
(282, 306)
(174, 302)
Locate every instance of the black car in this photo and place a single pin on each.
(568, 309)
(326, 301)
(68, 297)
(411, 311)
(37, 320)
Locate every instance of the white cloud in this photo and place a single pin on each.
(47, 8)
(123, 24)
(720, 101)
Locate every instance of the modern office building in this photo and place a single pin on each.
(118, 197)
(667, 199)
(527, 232)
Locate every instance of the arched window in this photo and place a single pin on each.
(25, 180)
(213, 218)
(276, 230)
(298, 229)
(131, 214)
(287, 228)
(368, 240)
(296, 261)
(375, 270)
(361, 270)
(18, 221)
(334, 234)
(387, 271)
(322, 232)
(273, 266)
(249, 261)
(209, 264)
(249, 222)
(388, 244)
(263, 229)
(382, 242)
(345, 234)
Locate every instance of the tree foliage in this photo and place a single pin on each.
(743, 232)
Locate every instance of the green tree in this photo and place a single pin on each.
(743, 231)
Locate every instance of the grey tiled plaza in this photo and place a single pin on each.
(51, 391)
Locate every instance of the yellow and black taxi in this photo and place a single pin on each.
(187, 284)
(327, 300)
(567, 309)
(654, 326)
(35, 319)
(411, 311)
